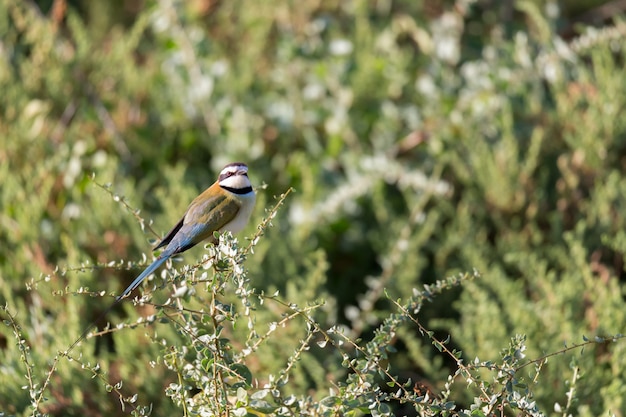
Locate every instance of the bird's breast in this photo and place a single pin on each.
(243, 215)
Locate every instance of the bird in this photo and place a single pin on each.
(225, 206)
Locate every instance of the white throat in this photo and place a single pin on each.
(237, 182)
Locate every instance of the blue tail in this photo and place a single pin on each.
(150, 269)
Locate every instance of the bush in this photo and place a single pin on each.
(454, 244)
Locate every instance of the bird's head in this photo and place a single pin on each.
(234, 178)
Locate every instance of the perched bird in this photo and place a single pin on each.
(224, 206)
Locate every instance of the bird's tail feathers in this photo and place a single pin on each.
(146, 272)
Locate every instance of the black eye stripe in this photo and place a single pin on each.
(229, 174)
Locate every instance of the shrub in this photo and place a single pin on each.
(454, 244)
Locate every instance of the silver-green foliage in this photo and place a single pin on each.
(416, 154)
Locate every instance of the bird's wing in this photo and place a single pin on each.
(209, 212)
(170, 235)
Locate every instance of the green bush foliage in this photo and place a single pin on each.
(440, 225)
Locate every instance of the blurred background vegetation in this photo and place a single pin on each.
(423, 139)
